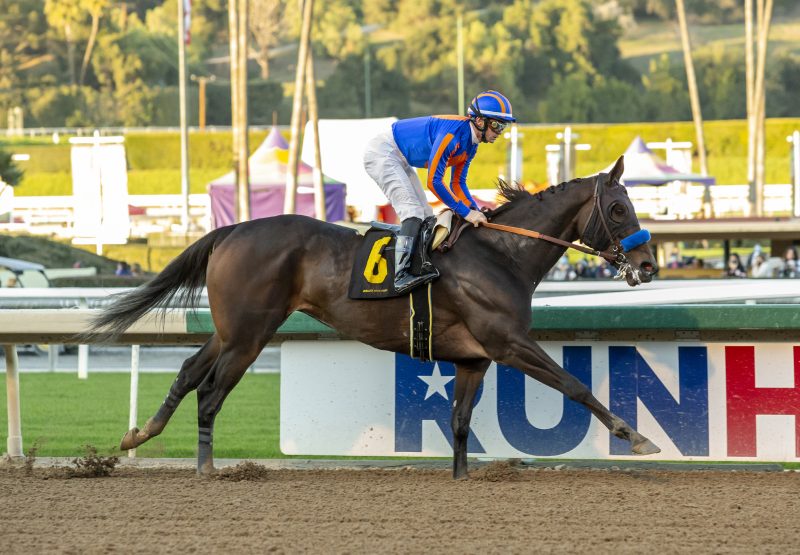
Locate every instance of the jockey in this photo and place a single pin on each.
(432, 142)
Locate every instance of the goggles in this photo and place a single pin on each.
(496, 125)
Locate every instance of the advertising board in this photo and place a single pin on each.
(697, 401)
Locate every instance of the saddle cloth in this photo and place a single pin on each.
(372, 276)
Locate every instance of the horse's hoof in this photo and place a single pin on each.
(129, 440)
(206, 470)
(645, 447)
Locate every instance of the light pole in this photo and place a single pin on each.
(201, 85)
(182, 40)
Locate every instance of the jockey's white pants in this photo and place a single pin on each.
(397, 179)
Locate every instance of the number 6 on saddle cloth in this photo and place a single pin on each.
(372, 276)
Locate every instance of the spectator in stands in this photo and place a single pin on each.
(136, 270)
(752, 257)
(698, 263)
(563, 271)
(604, 270)
(123, 269)
(760, 268)
(790, 263)
(583, 270)
(735, 267)
(591, 269)
(675, 259)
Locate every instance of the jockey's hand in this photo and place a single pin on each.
(476, 218)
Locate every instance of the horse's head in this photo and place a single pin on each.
(609, 221)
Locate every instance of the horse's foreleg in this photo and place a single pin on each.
(192, 372)
(468, 378)
(524, 354)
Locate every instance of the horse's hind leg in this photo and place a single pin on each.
(192, 372)
(468, 378)
(230, 366)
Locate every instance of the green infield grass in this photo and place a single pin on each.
(61, 414)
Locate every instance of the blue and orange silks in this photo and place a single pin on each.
(436, 142)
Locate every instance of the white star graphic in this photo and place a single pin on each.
(436, 383)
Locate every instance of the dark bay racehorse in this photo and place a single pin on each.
(259, 272)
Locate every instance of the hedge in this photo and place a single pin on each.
(154, 158)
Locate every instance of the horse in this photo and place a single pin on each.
(259, 272)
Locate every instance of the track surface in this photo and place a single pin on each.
(501, 509)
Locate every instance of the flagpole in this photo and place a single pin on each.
(182, 36)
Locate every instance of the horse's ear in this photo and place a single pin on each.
(617, 170)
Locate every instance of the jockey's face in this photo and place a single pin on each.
(491, 132)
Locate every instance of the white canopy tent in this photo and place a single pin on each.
(342, 143)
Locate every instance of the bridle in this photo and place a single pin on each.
(614, 253)
(614, 246)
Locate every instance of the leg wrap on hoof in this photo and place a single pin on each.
(205, 452)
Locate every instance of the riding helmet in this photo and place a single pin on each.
(491, 104)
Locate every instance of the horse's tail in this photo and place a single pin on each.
(182, 281)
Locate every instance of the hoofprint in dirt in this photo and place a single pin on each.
(500, 509)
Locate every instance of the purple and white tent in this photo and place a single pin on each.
(643, 167)
(268, 166)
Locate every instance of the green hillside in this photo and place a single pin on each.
(649, 40)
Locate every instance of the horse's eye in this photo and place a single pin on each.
(618, 212)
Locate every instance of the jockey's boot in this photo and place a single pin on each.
(426, 240)
(404, 248)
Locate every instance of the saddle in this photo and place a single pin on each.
(442, 236)
(372, 275)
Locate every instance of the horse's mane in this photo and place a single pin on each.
(513, 193)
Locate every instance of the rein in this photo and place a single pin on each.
(613, 255)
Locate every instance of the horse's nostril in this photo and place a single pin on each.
(649, 267)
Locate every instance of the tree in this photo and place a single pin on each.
(785, 77)
(267, 24)
(378, 12)
(666, 97)
(95, 9)
(66, 15)
(428, 57)
(569, 99)
(562, 38)
(721, 74)
(10, 173)
(126, 99)
(343, 93)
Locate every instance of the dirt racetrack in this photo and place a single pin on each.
(501, 509)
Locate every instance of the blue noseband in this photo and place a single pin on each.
(635, 239)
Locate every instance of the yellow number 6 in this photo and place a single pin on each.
(375, 271)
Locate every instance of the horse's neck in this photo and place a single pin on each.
(554, 215)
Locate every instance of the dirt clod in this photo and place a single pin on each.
(244, 471)
(497, 471)
(92, 465)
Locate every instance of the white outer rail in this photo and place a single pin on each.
(57, 323)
